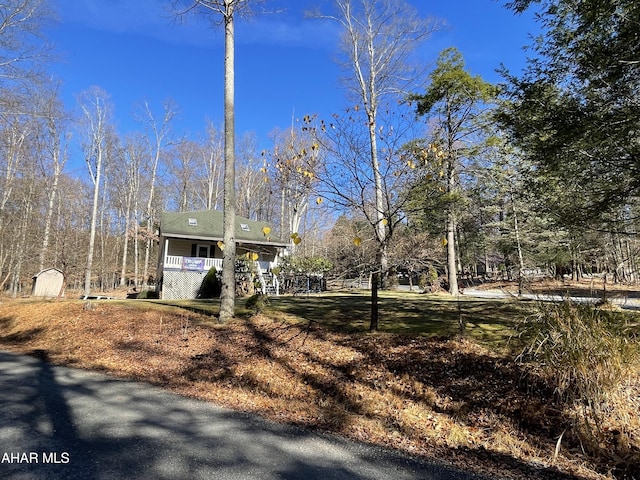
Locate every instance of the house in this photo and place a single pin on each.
(47, 283)
(190, 244)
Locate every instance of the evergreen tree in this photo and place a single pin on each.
(575, 111)
(456, 103)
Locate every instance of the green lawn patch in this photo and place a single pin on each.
(487, 321)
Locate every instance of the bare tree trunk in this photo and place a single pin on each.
(516, 229)
(452, 270)
(27, 209)
(227, 296)
(136, 254)
(95, 108)
(94, 217)
(125, 248)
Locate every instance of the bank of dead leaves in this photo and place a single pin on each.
(446, 399)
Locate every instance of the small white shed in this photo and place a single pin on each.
(47, 283)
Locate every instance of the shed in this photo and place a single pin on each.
(47, 283)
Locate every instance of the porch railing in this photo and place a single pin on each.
(176, 261)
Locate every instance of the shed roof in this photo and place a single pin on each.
(48, 270)
(207, 225)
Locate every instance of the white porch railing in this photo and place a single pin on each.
(174, 261)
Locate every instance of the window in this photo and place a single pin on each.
(244, 227)
(193, 222)
(203, 251)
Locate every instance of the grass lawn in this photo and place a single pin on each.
(489, 322)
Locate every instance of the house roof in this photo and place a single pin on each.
(207, 225)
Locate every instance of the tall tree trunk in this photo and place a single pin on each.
(27, 210)
(516, 229)
(380, 228)
(452, 270)
(58, 164)
(125, 247)
(227, 296)
(94, 217)
(136, 254)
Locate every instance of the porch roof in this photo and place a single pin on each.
(207, 225)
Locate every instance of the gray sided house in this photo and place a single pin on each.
(190, 245)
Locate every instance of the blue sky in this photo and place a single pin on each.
(135, 51)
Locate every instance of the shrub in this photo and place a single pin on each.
(588, 356)
(211, 286)
(148, 294)
(422, 281)
(429, 280)
(392, 279)
(257, 303)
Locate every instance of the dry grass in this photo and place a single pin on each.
(447, 399)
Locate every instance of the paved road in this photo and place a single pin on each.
(627, 303)
(62, 423)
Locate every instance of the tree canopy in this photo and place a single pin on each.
(574, 112)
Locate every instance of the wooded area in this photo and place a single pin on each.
(425, 174)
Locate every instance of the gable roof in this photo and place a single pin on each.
(207, 225)
(47, 271)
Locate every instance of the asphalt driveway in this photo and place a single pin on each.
(63, 423)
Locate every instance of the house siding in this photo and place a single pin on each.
(184, 247)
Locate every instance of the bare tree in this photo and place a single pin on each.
(254, 187)
(22, 50)
(159, 133)
(296, 159)
(15, 134)
(182, 169)
(96, 115)
(212, 162)
(22, 56)
(224, 12)
(133, 153)
(55, 139)
(379, 37)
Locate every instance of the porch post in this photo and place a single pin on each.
(166, 253)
